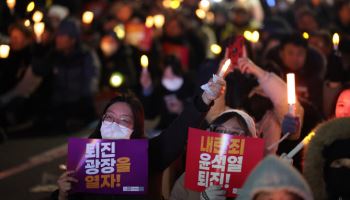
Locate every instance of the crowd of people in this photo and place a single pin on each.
(157, 62)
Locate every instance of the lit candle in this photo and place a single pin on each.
(335, 40)
(4, 51)
(39, 30)
(201, 14)
(144, 62)
(225, 67)
(87, 17)
(204, 5)
(149, 21)
(11, 4)
(216, 49)
(159, 20)
(37, 16)
(119, 30)
(291, 93)
(247, 35)
(255, 37)
(30, 6)
(304, 142)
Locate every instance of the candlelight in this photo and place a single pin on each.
(87, 17)
(297, 148)
(39, 30)
(210, 17)
(175, 4)
(159, 20)
(4, 51)
(31, 6)
(225, 67)
(255, 37)
(166, 3)
(37, 16)
(247, 35)
(204, 5)
(335, 40)
(11, 4)
(308, 138)
(144, 61)
(119, 31)
(200, 13)
(116, 79)
(149, 22)
(306, 35)
(27, 23)
(216, 49)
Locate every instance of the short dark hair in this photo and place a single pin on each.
(136, 108)
(295, 39)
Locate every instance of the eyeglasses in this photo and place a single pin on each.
(223, 129)
(124, 120)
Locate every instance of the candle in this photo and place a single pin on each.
(335, 41)
(11, 4)
(216, 49)
(119, 30)
(291, 93)
(4, 51)
(87, 17)
(225, 67)
(37, 16)
(30, 6)
(204, 5)
(144, 62)
(159, 20)
(304, 142)
(39, 30)
(149, 21)
(255, 37)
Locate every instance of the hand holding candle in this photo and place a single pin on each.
(39, 30)
(304, 142)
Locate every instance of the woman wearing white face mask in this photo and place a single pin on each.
(123, 118)
(166, 99)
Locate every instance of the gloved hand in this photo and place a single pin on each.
(214, 88)
(290, 124)
(214, 192)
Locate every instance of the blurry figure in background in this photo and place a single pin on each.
(323, 11)
(294, 56)
(231, 121)
(241, 18)
(327, 158)
(56, 14)
(115, 57)
(122, 11)
(12, 70)
(168, 97)
(275, 179)
(178, 40)
(306, 21)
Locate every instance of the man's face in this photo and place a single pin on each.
(293, 57)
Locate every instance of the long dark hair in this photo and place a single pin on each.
(136, 108)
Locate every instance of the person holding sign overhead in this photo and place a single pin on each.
(123, 118)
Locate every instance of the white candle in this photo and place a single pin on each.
(304, 142)
(37, 16)
(144, 62)
(291, 93)
(11, 4)
(225, 67)
(39, 30)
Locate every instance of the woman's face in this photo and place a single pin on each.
(231, 126)
(342, 108)
(120, 113)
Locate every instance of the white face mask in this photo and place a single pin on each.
(108, 49)
(172, 84)
(112, 130)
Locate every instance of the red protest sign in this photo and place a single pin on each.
(220, 159)
(236, 49)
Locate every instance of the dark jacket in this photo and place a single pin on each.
(163, 150)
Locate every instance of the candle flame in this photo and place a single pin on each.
(149, 21)
(225, 67)
(336, 39)
(4, 51)
(144, 61)
(255, 37)
(39, 29)
(37, 16)
(11, 4)
(159, 20)
(216, 49)
(87, 17)
(308, 138)
(31, 6)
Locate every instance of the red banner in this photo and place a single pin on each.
(220, 159)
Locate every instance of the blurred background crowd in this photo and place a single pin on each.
(61, 60)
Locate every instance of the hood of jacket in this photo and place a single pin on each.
(271, 174)
(325, 134)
